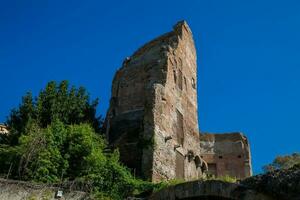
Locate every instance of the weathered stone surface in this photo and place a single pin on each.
(19, 190)
(209, 190)
(226, 154)
(153, 120)
(152, 117)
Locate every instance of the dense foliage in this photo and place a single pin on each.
(55, 138)
(66, 103)
(61, 153)
(283, 162)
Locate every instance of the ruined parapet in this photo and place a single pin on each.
(226, 154)
(152, 117)
(210, 190)
(279, 184)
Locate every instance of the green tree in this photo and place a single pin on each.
(55, 137)
(68, 153)
(70, 105)
(283, 162)
(42, 153)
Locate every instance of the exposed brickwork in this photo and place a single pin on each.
(226, 154)
(153, 110)
(153, 116)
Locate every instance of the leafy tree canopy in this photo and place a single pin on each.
(55, 138)
(61, 153)
(283, 162)
(58, 101)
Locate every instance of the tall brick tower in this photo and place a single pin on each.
(152, 117)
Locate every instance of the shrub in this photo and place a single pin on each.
(69, 152)
(283, 162)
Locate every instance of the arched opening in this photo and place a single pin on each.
(201, 165)
(198, 162)
(204, 167)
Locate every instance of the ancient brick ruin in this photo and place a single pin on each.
(226, 154)
(153, 117)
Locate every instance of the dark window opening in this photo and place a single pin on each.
(239, 156)
(113, 112)
(220, 157)
(175, 77)
(212, 169)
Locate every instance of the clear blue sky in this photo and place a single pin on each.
(248, 57)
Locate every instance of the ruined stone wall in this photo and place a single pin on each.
(152, 117)
(153, 120)
(176, 112)
(226, 154)
(130, 118)
(211, 190)
(20, 190)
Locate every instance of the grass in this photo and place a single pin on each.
(226, 178)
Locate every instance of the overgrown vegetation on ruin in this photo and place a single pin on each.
(226, 178)
(56, 138)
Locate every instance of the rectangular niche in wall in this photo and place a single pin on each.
(179, 168)
(179, 128)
